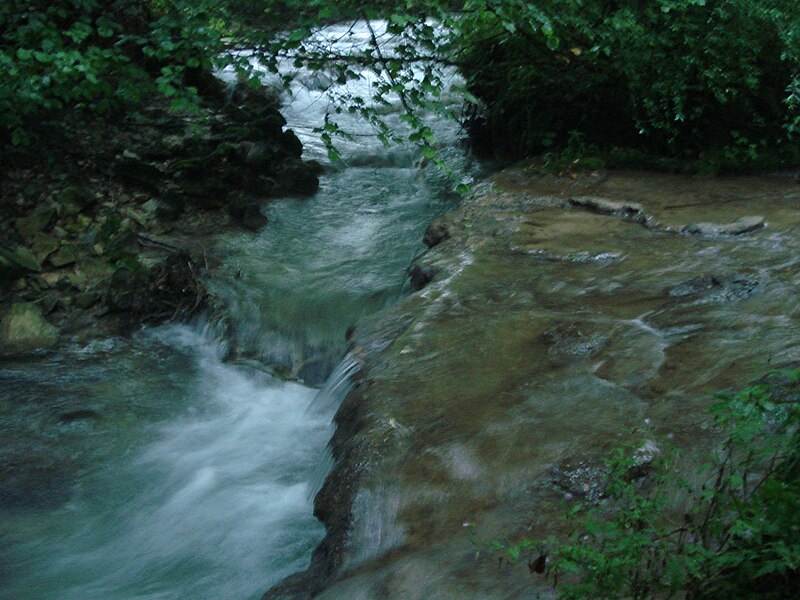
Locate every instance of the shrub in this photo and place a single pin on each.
(737, 534)
(674, 77)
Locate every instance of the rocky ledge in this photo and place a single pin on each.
(544, 331)
(108, 228)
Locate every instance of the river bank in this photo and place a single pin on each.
(554, 316)
(125, 453)
(109, 228)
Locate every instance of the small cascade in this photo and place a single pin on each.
(194, 473)
(336, 388)
(325, 404)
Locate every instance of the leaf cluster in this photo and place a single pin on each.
(675, 77)
(737, 534)
(93, 56)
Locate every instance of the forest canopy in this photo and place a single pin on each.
(671, 77)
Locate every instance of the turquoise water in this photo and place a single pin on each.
(151, 468)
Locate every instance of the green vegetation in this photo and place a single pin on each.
(731, 532)
(625, 80)
(90, 57)
(675, 78)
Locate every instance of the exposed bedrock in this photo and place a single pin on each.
(544, 334)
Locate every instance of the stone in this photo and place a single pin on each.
(246, 210)
(48, 303)
(738, 227)
(24, 328)
(436, 233)
(629, 210)
(291, 144)
(44, 245)
(420, 276)
(18, 260)
(65, 255)
(253, 219)
(123, 243)
(51, 278)
(298, 178)
(78, 280)
(86, 300)
(173, 143)
(132, 169)
(75, 199)
(35, 222)
(79, 415)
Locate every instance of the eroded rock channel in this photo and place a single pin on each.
(546, 328)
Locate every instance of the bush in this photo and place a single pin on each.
(736, 534)
(96, 56)
(673, 77)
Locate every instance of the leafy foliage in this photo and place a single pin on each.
(679, 78)
(96, 57)
(675, 77)
(737, 535)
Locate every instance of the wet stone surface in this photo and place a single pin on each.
(522, 360)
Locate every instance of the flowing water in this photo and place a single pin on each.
(149, 467)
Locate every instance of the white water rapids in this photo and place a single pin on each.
(193, 477)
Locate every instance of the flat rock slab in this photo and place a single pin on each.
(738, 227)
(629, 210)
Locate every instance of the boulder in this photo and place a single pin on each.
(75, 199)
(24, 328)
(35, 222)
(298, 177)
(628, 210)
(16, 261)
(65, 255)
(44, 245)
(737, 227)
(436, 233)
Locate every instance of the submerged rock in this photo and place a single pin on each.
(629, 210)
(715, 289)
(436, 233)
(44, 245)
(17, 261)
(737, 227)
(78, 415)
(24, 328)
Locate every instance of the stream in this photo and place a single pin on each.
(150, 468)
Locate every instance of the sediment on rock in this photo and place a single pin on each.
(488, 396)
(107, 230)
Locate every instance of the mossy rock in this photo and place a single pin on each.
(24, 328)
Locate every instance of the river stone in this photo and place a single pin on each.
(24, 329)
(123, 243)
(44, 245)
(629, 210)
(64, 256)
(738, 227)
(75, 199)
(86, 300)
(38, 220)
(15, 261)
(436, 233)
(693, 287)
(83, 414)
